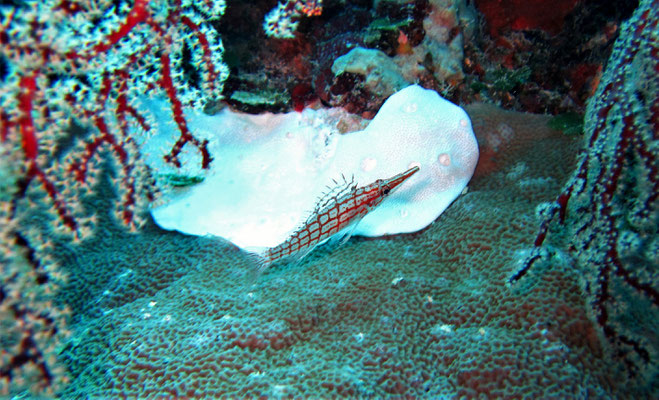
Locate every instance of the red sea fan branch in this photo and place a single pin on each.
(608, 210)
(71, 64)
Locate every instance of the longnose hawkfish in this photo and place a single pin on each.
(336, 214)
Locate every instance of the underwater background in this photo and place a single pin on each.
(539, 281)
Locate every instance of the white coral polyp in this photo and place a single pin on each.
(280, 23)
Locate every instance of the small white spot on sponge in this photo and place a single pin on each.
(444, 159)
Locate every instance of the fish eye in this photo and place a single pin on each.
(386, 190)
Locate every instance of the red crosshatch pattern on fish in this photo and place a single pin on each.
(337, 210)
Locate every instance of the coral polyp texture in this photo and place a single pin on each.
(427, 314)
(33, 329)
(607, 213)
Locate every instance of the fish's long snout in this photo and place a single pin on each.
(397, 180)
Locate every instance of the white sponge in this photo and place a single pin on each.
(269, 170)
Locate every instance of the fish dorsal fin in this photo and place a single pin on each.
(331, 194)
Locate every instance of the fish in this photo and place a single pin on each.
(336, 213)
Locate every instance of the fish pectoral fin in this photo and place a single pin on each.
(297, 258)
(344, 235)
(259, 262)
